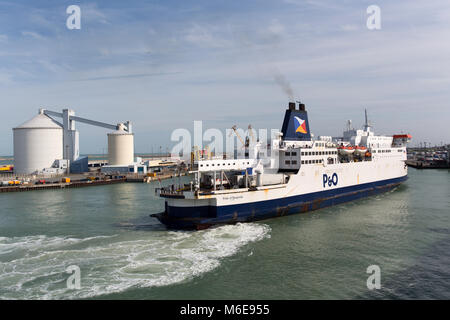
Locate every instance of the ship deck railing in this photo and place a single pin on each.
(205, 192)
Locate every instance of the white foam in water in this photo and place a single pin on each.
(34, 267)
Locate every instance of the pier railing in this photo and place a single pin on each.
(27, 177)
(172, 190)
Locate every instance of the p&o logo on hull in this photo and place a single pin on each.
(330, 180)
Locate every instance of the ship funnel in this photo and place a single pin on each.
(295, 124)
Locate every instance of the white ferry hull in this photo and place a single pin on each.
(312, 188)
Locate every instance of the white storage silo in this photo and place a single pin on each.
(37, 144)
(120, 148)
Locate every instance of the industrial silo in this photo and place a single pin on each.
(120, 148)
(37, 144)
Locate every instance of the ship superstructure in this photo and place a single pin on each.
(300, 174)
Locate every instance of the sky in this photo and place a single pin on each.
(164, 64)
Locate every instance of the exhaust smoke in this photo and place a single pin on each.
(284, 84)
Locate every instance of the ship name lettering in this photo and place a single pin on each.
(233, 198)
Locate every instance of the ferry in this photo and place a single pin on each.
(301, 174)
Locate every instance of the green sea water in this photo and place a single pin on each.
(122, 253)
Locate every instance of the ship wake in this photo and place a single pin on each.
(34, 267)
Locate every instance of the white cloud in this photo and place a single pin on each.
(276, 27)
(5, 79)
(91, 13)
(205, 36)
(350, 27)
(33, 34)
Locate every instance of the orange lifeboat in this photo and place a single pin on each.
(360, 150)
(346, 150)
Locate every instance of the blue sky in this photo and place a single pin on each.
(163, 64)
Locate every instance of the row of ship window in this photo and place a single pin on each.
(294, 162)
(387, 151)
(320, 144)
(318, 153)
(382, 151)
(311, 153)
(212, 165)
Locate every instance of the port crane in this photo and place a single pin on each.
(250, 132)
(245, 143)
(234, 128)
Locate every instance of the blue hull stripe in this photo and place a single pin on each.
(197, 217)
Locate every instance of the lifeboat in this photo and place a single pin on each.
(361, 151)
(346, 150)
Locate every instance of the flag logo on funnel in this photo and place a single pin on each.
(300, 125)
